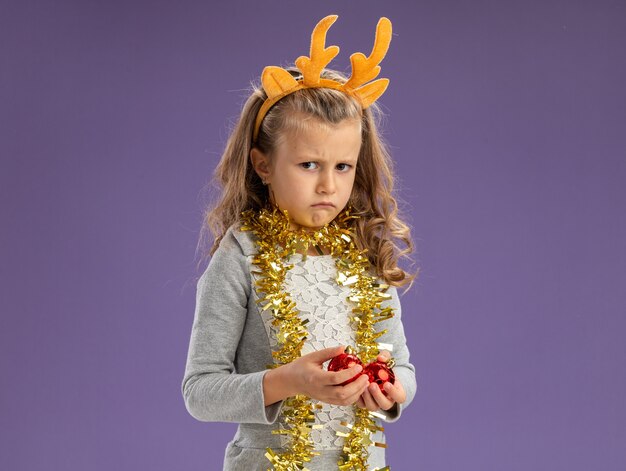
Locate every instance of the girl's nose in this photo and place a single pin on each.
(326, 183)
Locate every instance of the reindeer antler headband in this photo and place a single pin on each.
(278, 83)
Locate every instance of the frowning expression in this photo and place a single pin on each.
(311, 172)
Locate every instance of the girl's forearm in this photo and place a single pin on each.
(276, 385)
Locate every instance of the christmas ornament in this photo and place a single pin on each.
(380, 373)
(343, 361)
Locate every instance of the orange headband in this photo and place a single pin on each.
(278, 83)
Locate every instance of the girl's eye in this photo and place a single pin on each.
(315, 165)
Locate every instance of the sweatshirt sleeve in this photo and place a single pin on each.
(213, 391)
(403, 369)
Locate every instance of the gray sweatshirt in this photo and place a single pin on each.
(231, 344)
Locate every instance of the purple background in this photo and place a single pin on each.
(508, 124)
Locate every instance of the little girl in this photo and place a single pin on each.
(305, 250)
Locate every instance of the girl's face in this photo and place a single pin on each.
(311, 172)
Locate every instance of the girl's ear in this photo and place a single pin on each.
(260, 163)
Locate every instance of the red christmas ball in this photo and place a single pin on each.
(344, 361)
(380, 373)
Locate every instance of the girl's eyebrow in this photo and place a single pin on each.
(323, 162)
(304, 157)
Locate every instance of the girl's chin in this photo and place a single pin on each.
(310, 227)
(313, 223)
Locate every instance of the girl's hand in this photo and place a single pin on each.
(374, 399)
(307, 376)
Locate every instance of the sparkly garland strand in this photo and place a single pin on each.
(367, 295)
(275, 243)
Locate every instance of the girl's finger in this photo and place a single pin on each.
(395, 392)
(384, 355)
(338, 377)
(356, 398)
(368, 400)
(320, 356)
(350, 393)
(356, 387)
(383, 401)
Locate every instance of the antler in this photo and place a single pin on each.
(364, 68)
(278, 83)
(311, 67)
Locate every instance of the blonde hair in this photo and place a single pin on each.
(379, 228)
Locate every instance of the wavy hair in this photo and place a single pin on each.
(380, 228)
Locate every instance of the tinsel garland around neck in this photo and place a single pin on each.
(276, 241)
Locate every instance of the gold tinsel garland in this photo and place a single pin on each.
(275, 243)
